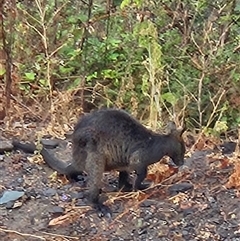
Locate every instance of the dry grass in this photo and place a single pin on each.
(53, 119)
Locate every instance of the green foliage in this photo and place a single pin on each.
(172, 59)
(126, 3)
(219, 128)
(2, 70)
(30, 76)
(170, 98)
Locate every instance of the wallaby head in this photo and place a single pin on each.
(176, 148)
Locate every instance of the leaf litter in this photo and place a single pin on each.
(207, 211)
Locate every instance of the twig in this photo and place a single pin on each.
(24, 106)
(236, 152)
(85, 31)
(199, 100)
(7, 44)
(215, 106)
(22, 234)
(29, 15)
(35, 29)
(59, 235)
(56, 50)
(51, 20)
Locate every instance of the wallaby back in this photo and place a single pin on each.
(120, 139)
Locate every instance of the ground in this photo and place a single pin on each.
(194, 203)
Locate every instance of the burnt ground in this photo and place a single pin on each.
(201, 208)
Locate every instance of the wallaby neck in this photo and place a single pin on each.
(158, 147)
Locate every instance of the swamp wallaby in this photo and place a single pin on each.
(111, 139)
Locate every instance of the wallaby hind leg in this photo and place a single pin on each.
(95, 166)
(123, 182)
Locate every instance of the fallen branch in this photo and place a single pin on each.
(22, 234)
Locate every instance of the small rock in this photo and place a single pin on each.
(20, 180)
(65, 198)
(77, 195)
(5, 146)
(67, 186)
(10, 196)
(211, 199)
(147, 203)
(80, 203)
(188, 211)
(57, 210)
(17, 124)
(82, 182)
(2, 157)
(32, 193)
(17, 204)
(9, 205)
(180, 187)
(184, 232)
(228, 147)
(49, 192)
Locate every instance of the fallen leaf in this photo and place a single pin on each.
(160, 172)
(17, 204)
(37, 159)
(60, 220)
(234, 179)
(68, 218)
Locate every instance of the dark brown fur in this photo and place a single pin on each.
(111, 139)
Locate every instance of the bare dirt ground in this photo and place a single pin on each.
(191, 204)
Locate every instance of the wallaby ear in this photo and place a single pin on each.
(171, 127)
